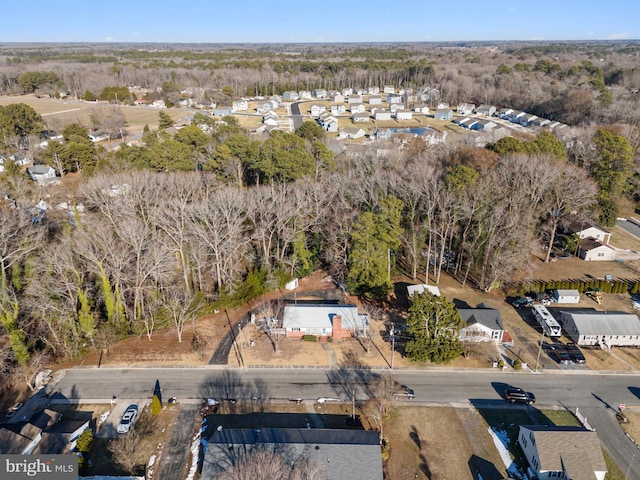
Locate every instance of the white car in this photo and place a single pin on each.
(128, 418)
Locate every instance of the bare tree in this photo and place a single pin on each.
(180, 306)
(124, 450)
(263, 464)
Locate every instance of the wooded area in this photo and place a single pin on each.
(208, 216)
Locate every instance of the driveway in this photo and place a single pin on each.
(175, 457)
(109, 428)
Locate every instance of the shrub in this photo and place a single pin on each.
(85, 441)
(501, 363)
(517, 364)
(156, 406)
(330, 339)
(309, 338)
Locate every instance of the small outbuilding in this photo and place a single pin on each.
(566, 296)
(421, 288)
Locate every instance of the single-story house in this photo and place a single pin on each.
(483, 324)
(337, 321)
(540, 122)
(466, 108)
(98, 136)
(555, 452)
(352, 132)
(41, 173)
(462, 121)
(443, 114)
(382, 115)
(566, 296)
(483, 125)
(591, 249)
(375, 100)
(486, 110)
(421, 288)
(340, 453)
(606, 329)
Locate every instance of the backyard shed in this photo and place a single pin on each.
(566, 296)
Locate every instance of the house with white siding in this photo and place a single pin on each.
(375, 100)
(291, 95)
(443, 114)
(590, 327)
(337, 98)
(382, 115)
(401, 114)
(373, 90)
(465, 108)
(482, 324)
(361, 117)
(486, 110)
(357, 108)
(352, 132)
(338, 109)
(240, 105)
(320, 93)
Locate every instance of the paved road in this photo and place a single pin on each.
(630, 227)
(176, 452)
(296, 116)
(596, 395)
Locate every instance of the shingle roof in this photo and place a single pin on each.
(343, 454)
(604, 323)
(488, 317)
(575, 449)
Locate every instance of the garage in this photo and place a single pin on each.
(566, 296)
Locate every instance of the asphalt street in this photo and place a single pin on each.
(596, 395)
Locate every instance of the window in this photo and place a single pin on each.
(601, 254)
(295, 329)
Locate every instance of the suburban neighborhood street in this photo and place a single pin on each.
(596, 395)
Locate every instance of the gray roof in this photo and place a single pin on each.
(343, 454)
(574, 449)
(604, 323)
(488, 317)
(321, 316)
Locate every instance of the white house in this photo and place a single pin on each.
(264, 107)
(338, 109)
(466, 108)
(443, 114)
(316, 110)
(373, 90)
(357, 108)
(483, 324)
(347, 91)
(486, 110)
(270, 118)
(592, 249)
(360, 117)
(388, 89)
(41, 174)
(382, 115)
(396, 106)
(423, 109)
(320, 93)
(337, 321)
(586, 229)
(605, 329)
(558, 452)
(403, 114)
(352, 132)
(355, 99)
(305, 94)
(240, 105)
(482, 125)
(337, 98)
(394, 98)
(375, 100)
(291, 95)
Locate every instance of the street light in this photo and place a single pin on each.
(629, 469)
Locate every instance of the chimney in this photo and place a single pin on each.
(336, 331)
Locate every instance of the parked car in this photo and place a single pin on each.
(560, 353)
(522, 302)
(128, 419)
(515, 394)
(575, 353)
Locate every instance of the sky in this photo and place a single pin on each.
(320, 21)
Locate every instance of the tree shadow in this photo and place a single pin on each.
(228, 388)
(351, 374)
(424, 466)
(459, 303)
(481, 468)
(635, 391)
(415, 436)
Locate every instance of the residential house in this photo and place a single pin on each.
(316, 110)
(462, 121)
(503, 112)
(486, 110)
(373, 90)
(259, 130)
(240, 106)
(291, 95)
(264, 107)
(443, 114)
(540, 122)
(394, 98)
(352, 133)
(382, 115)
(421, 288)
(336, 321)
(388, 89)
(396, 106)
(139, 101)
(443, 105)
(342, 453)
(328, 122)
(408, 95)
(357, 107)
(347, 91)
(423, 109)
(355, 99)
(402, 114)
(270, 118)
(158, 104)
(482, 125)
(42, 174)
(559, 452)
(592, 249)
(586, 229)
(375, 100)
(527, 119)
(483, 324)
(320, 93)
(305, 94)
(338, 109)
(605, 329)
(514, 116)
(337, 98)
(222, 111)
(465, 108)
(361, 117)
